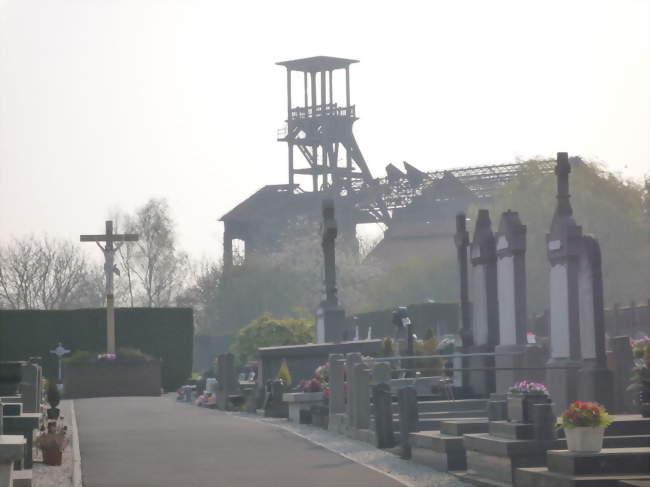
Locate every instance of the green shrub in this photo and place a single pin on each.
(82, 356)
(53, 394)
(127, 354)
(428, 366)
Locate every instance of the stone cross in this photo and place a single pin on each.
(109, 253)
(60, 351)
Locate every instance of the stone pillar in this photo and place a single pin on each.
(461, 239)
(351, 359)
(382, 400)
(595, 380)
(485, 318)
(564, 242)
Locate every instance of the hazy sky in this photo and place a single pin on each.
(106, 103)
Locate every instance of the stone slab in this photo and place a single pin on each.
(501, 468)
(505, 447)
(607, 461)
(434, 440)
(541, 477)
(23, 478)
(12, 448)
(461, 427)
(514, 431)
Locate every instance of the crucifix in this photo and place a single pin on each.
(60, 351)
(109, 253)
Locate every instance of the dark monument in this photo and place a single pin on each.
(330, 317)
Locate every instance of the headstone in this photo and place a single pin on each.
(595, 380)
(622, 363)
(351, 359)
(517, 357)
(485, 318)
(564, 243)
(330, 317)
(408, 418)
(30, 388)
(337, 384)
(465, 338)
(382, 400)
(361, 396)
(381, 372)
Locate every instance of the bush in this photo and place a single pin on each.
(82, 356)
(267, 331)
(53, 394)
(132, 355)
(428, 366)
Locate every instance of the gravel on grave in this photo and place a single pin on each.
(409, 473)
(46, 476)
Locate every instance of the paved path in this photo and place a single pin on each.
(157, 442)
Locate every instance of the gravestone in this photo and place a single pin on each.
(382, 400)
(31, 388)
(595, 380)
(408, 419)
(485, 318)
(330, 317)
(511, 277)
(461, 240)
(351, 359)
(564, 243)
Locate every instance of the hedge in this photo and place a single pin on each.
(164, 333)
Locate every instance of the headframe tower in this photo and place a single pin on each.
(321, 127)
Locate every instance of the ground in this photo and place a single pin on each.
(149, 441)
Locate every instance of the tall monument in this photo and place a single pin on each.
(330, 317)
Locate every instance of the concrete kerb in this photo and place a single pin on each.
(408, 473)
(76, 451)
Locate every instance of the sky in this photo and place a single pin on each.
(105, 104)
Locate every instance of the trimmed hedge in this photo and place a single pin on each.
(163, 333)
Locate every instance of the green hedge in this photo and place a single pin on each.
(164, 333)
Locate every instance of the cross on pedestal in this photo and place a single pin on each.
(60, 351)
(109, 252)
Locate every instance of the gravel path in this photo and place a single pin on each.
(45, 476)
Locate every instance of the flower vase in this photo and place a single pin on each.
(585, 439)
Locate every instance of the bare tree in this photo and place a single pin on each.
(41, 273)
(153, 261)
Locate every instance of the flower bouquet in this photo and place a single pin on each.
(584, 425)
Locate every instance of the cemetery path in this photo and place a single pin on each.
(156, 441)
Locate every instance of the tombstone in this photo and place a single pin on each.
(351, 359)
(227, 380)
(513, 320)
(382, 400)
(408, 419)
(564, 242)
(330, 317)
(485, 318)
(622, 363)
(337, 393)
(595, 380)
(31, 388)
(381, 372)
(361, 397)
(12, 450)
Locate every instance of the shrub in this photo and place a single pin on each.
(53, 394)
(428, 366)
(132, 355)
(81, 356)
(387, 347)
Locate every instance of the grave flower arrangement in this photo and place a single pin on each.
(584, 425)
(52, 443)
(639, 346)
(525, 387)
(522, 396)
(318, 383)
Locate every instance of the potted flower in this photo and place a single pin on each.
(584, 426)
(521, 398)
(53, 399)
(52, 443)
(640, 381)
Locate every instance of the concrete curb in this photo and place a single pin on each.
(76, 452)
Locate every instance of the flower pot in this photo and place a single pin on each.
(644, 402)
(585, 439)
(11, 374)
(520, 406)
(52, 456)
